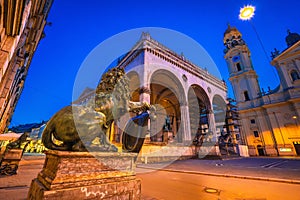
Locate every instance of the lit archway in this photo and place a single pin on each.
(219, 110)
(134, 85)
(199, 109)
(168, 94)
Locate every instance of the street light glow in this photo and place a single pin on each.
(247, 12)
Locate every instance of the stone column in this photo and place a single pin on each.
(212, 125)
(184, 128)
(145, 94)
(212, 141)
(145, 97)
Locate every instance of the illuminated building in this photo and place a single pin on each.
(269, 120)
(191, 98)
(21, 28)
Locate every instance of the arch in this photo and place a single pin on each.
(219, 110)
(134, 85)
(246, 95)
(167, 91)
(167, 78)
(201, 95)
(294, 75)
(199, 110)
(238, 66)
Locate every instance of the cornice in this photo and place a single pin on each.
(152, 46)
(285, 53)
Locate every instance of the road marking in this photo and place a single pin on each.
(273, 164)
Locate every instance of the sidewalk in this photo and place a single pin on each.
(16, 187)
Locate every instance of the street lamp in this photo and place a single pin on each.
(247, 12)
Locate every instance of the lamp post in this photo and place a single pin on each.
(246, 14)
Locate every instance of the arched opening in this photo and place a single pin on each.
(168, 95)
(119, 125)
(134, 85)
(219, 109)
(199, 109)
(261, 151)
(238, 67)
(294, 75)
(246, 96)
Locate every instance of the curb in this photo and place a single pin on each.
(226, 175)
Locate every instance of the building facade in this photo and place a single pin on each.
(21, 28)
(269, 120)
(187, 95)
(190, 102)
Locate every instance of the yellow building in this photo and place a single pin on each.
(269, 120)
(21, 27)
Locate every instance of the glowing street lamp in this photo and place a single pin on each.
(247, 12)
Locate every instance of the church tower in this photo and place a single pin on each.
(242, 76)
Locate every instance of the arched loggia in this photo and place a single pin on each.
(168, 94)
(134, 85)
(219, 110)
(199, 111)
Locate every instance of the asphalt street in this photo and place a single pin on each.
(237, 179)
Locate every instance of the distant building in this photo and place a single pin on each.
(269, 120)
(27, 128)
(21, 27)
(36, 133)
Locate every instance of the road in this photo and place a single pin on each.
(182, 186)
(276, 168)
(260, 179)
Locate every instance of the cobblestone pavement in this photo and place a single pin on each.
(278, 170)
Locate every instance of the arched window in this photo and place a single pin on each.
(246, 95)
(294, 75)
(238, 66)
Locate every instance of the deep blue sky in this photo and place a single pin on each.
(79, 26)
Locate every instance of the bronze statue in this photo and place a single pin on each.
(87, 127)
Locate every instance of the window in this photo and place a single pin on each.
(294, 75)
(252, 121)
(246, 95)
(255, 133)
(238, 66)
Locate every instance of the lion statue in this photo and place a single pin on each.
(87, 126)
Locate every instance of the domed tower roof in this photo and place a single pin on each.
(232, 38)
(230, 32)
(292, 38)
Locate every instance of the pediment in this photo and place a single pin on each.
(288, 53)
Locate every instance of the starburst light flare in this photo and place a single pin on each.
(247, 12)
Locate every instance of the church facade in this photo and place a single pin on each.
(21, 28)
(269, 120)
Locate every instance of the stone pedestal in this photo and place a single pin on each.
(82, 175)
